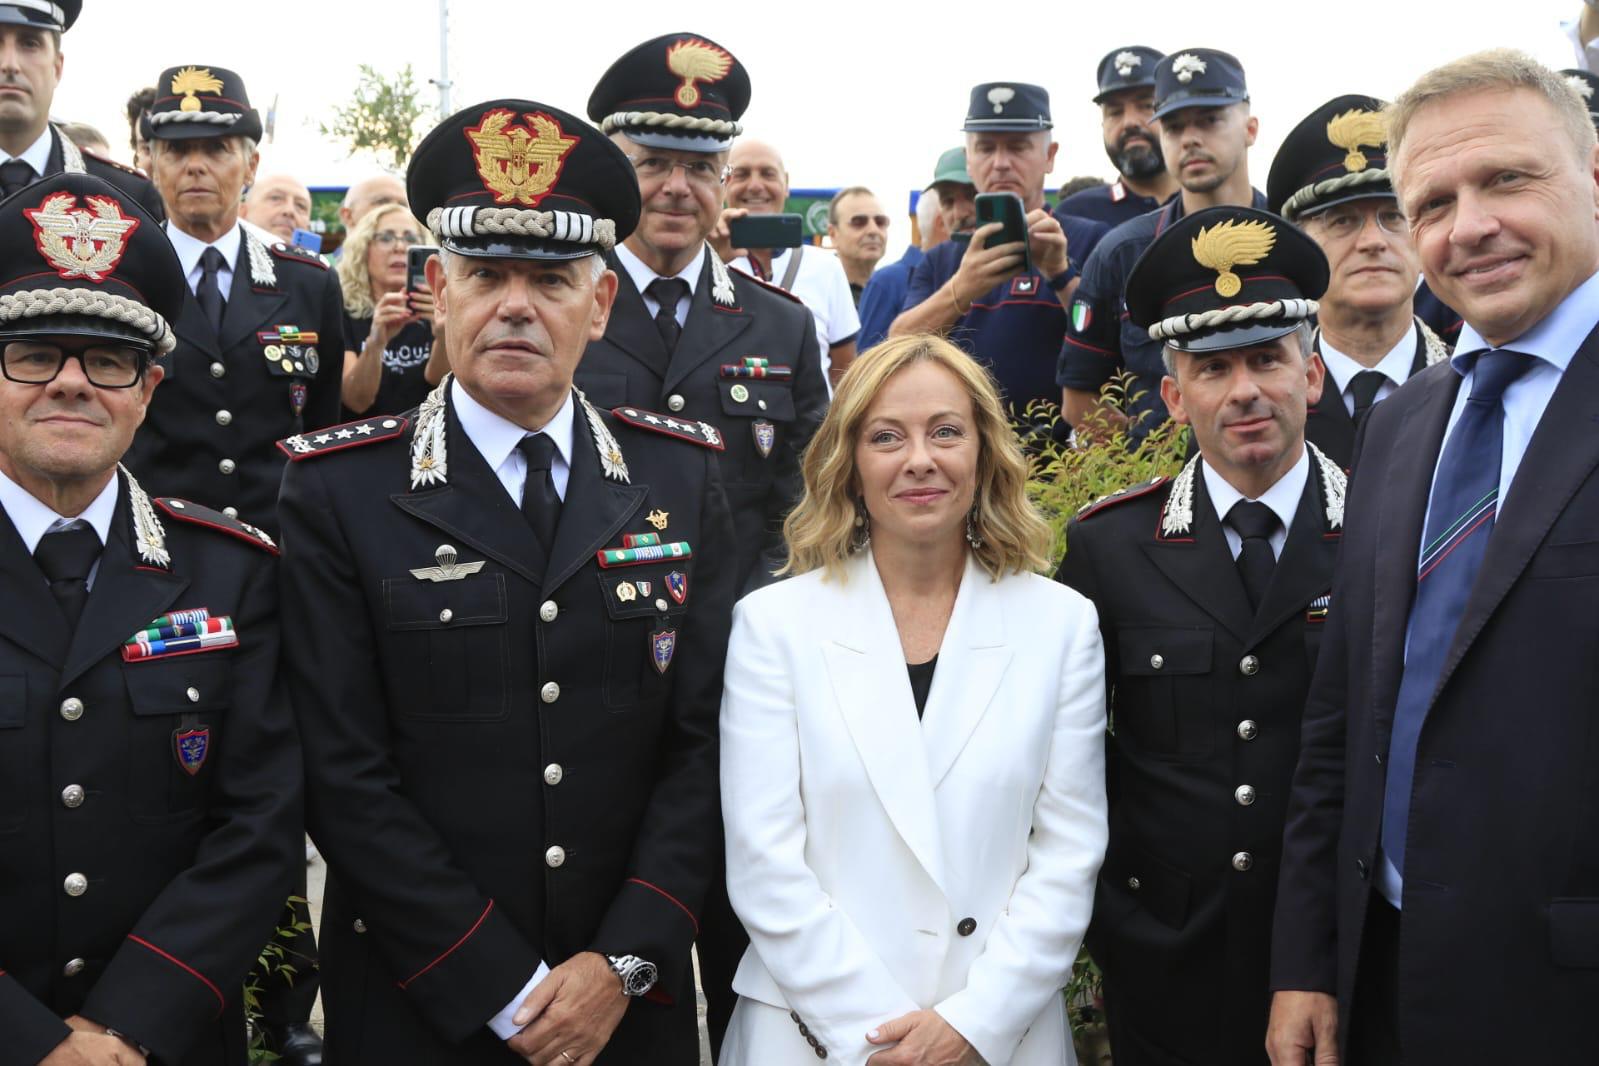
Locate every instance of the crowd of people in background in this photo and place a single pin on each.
(632, 599)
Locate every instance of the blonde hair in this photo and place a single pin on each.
(1497, 69)
(354, 277)
(821, 531)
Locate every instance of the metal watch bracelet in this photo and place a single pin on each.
(638, 976)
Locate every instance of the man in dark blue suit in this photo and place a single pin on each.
(1440, 871)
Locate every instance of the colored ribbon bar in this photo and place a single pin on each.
(773, 373)
(155, 649)
(609, 557)
(757, 360)
(177, 618)
(641, 540)
(181, 629)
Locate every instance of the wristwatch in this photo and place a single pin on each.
(638, 976)
(1064, 278)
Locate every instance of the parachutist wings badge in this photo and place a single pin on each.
(81, 243)
(448, 569)
(1229, 244)
(519, 164)
(695, 60)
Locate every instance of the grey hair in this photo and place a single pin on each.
(597, 264)
(1303, 332)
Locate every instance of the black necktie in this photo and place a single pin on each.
(1254, 523)
(15, 175)
(1363, 387)
(668, 292)
(541, 506)
(66, 556)
(208, 292)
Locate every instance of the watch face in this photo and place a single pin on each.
(641, 979)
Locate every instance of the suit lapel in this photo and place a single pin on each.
(126, 595)
(594, 511)
(866, 666)
(1304, 570)
(1560, 458)
(631, 328)
(472, 507)
(1328, 421)
(193, 328)
(970, 667)
(1202, 567)
(1401, 515)
(31, 619)
(248, 307)
(709, 328)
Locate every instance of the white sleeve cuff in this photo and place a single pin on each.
(501, 1023)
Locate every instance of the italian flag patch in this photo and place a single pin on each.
(1082, 315)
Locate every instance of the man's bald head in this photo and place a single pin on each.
(759, 181)
(363, 196)
(279, 203)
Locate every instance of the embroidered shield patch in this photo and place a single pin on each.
(765, 436)
(191, 747)
(663, 643)
(677, 586)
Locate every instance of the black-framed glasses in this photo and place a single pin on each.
(106, 366)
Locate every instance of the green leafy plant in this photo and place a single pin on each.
(384, 119)
(276, 962)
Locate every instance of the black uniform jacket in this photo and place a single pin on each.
(517, 762)
(1328, 424)
(1499, 941)
(1205, 701)
(182, 874)
(67, 157)
(731, 317)
(215, 419)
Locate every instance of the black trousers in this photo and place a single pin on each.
(286, 1000)
(1374, 1012)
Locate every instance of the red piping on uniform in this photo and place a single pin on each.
(1075, 343)
(447, 954)
(202, 978)
(669, 896)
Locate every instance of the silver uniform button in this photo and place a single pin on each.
(445, 615)
(227, 466)
(231, 512)
(555, 857)
(1133, 883)
(674, 402)
(548, 610)
(1157, 661)
(1244, 794)
(359, 926)
(1248, 730)
(75, 884)
(761, 404)
(1243, 861)
(553, 774)
(1249, 666)
(72, 796)
(660, 605)
(217, 370)
(72, 708)
(224, 418)
(73, 968)
(550, 692)
(193, 694)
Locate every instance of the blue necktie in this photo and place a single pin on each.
(1465, 498)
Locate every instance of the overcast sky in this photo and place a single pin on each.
(851, 92)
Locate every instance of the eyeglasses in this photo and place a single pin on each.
(1341, 223)
(388, 237)
(860, 221)
(106, 366)
(659, 168)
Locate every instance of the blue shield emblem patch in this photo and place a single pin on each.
(677, 586)
(765, 436)
(191, 746)
(662, 644)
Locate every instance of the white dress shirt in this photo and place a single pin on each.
(1395, 366)
(33, 518)
(1283, 499)
(36, 155)
(190, 248)
(496, 439)
(642, 274)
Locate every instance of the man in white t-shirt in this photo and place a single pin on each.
(758, 185)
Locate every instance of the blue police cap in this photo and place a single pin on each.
(1132, 67)
(1008, 106)
(1198, 77)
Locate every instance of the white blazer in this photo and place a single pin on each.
(861, 840)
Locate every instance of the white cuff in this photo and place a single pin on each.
(501, 1023)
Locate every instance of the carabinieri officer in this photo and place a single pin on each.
(150, 794)
(515, 612)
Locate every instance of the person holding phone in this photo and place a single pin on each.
(391, 355)
(1005, 302)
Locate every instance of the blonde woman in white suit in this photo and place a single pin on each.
(912, 745)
